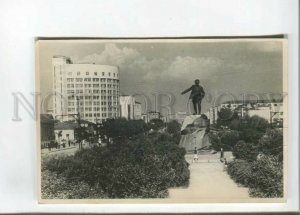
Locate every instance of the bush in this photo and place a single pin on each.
(245, 151)
(144, 167)
(55, 186)
(267, 177)
(251, 135)
(258, 123)
(272, 143)
(155, 124)
(224, 139)
(122, 127)
(264, 177)
(173, 127)
(229, 138)
(240, 171)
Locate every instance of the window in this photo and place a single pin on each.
(79, 79)
(109, 74)
(103, 73)
(69, 73)
(87, 73)
(114, 74)
(95, 73)
(78, 73)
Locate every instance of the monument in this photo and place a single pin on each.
(194, 133)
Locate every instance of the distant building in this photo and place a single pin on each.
(212, 114)
(137, 110)
(145, 117)
(265, 109)
(90, 89)
(47, 129)
(129, 108)
(69, 130)
(263, 113)
(153, 115)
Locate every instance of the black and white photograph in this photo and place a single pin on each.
(175, 120)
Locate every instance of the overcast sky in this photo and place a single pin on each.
(146, 68)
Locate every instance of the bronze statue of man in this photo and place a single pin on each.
(196, 95)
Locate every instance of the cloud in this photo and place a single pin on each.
(112, 55)
(133, 64)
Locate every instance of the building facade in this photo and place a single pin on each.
(129, 108)
(69, 131)
(137, 110)
(89, 89)
(47, 129)
(271, 111)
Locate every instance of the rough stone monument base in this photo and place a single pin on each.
(194, 133)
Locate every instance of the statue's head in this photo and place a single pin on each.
(197, 81)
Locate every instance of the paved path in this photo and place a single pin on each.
(209, 182)
(62, 151)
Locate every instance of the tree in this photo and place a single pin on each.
(173, 127)
(245, 151)
(122, 128)
(258, 123)
(235, 124)
(251, 135)
(229, 139)
(156, 124)
(272, 143)
(225, 116)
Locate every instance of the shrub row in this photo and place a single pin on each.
(55, 186)
(143, 167)
(264, 177)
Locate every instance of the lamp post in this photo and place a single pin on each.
(83, 126)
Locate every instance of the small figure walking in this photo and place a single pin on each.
(196, 95)
(195, 155)
(225, 164)
(222, 155)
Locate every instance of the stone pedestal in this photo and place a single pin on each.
(194, 133)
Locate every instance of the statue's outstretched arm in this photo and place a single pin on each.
(187, 90)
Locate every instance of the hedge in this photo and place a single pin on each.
(143, 167)
(264, 177)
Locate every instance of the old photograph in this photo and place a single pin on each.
(162, 120)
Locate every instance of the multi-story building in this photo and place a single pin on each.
(129, 108)
(89, 89)
(271, 111)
